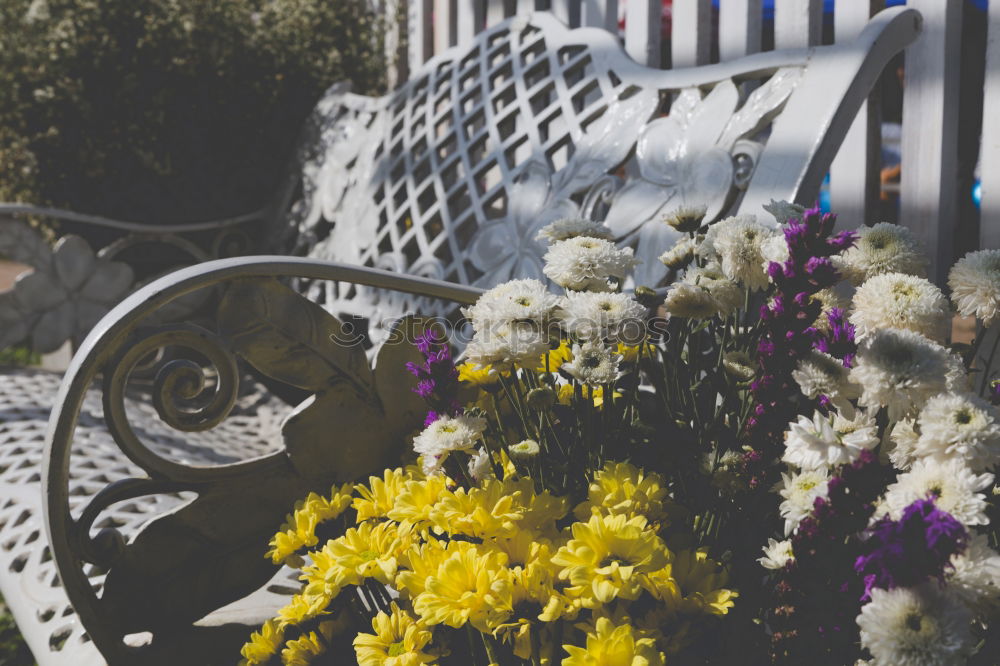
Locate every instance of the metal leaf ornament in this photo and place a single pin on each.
(208, 553)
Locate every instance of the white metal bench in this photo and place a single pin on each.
(159, 496)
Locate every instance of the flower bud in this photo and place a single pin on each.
(541, 398)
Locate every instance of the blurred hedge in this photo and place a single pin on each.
(168, 110)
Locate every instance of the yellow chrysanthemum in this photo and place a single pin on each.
(624, 489)
(399, 640)
(420, 562)
(552, 361)
(478, 512)
(469, 586)
(299, 530)
(304, 649)
(609, 557)
(378, 496)
(610, 645)
(702, 582)
(478, 375)
(368, 551)
(304, 607)
(630, 353)
(539, 511)
(263, 644)
(566, 392)
(414, 503)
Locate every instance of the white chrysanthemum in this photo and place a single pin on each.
(819, 442)
(588, 264)
(955, 488)
(961, 426)
(784, 210)
(686, 218)
(690, 301)
(830, 299)
(679, 255)
(897, 300)
(593, 364)
(975, 576)
(524, 450)
(881, 248)
(904, 436)
(449, 433)
(975, 285)
(600, 315)
(776, 554)
(516, 300)
(517, 342)
(774, 249)
(571, 227)
(737, 242)
(921, 626)
(821, 374)
(728, 294)
(480, 465)
(901, 369)
(799, 492)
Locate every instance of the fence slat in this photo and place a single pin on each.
(495, 11)
(854, 174)
(691, 33)
(739, 28)
(600, 14)
(444, 14)
(642, 31)
(525, 6)
(470, 19)
(798, 23)
(564, 11)
(989, 152)
(420, 31)
(928, 197)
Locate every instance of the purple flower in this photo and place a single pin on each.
(437, 377)
(908, 551)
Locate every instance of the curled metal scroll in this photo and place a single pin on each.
(178, 382)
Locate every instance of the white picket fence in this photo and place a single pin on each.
(928, 190)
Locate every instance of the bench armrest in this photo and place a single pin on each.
(264, 323)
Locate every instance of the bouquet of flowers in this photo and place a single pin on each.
(598, 471)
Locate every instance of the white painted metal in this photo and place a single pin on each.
(798, 23)
(928, 185)
(642, 31)
(989, 155)
(599, 14)
(691, 33)
(739, 28)
(854, 175)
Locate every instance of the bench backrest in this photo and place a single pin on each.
(452, 175)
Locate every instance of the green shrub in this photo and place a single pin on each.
(168, 110)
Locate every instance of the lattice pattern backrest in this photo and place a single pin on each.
(452, 175)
